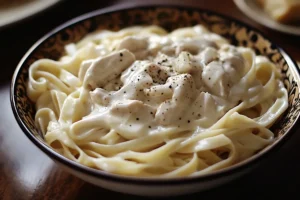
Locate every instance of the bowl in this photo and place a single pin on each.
(170, 17)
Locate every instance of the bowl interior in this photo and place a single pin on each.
(52, 46)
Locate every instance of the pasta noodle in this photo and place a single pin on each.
(150, 103)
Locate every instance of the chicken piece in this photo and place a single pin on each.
(131, 118)
(185, 63)
(184, 92)
(208, 55)
(158, 74)
(107, 68)
(234, 67)
(216, 79)
(138, 46)
(233, 62)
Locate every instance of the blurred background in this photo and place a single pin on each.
(27, 173)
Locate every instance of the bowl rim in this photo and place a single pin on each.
(238, 167)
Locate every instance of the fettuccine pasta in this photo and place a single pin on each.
(145, 102)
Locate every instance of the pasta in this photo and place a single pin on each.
(145, 102)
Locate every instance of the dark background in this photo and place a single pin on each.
(27, 173)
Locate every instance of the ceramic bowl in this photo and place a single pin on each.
(170, 17)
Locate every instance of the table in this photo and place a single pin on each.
(27, 173)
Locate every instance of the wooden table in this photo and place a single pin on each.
(27, 173)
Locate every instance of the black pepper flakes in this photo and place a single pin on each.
(137, 119)
(189, 121)
(121, 54)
